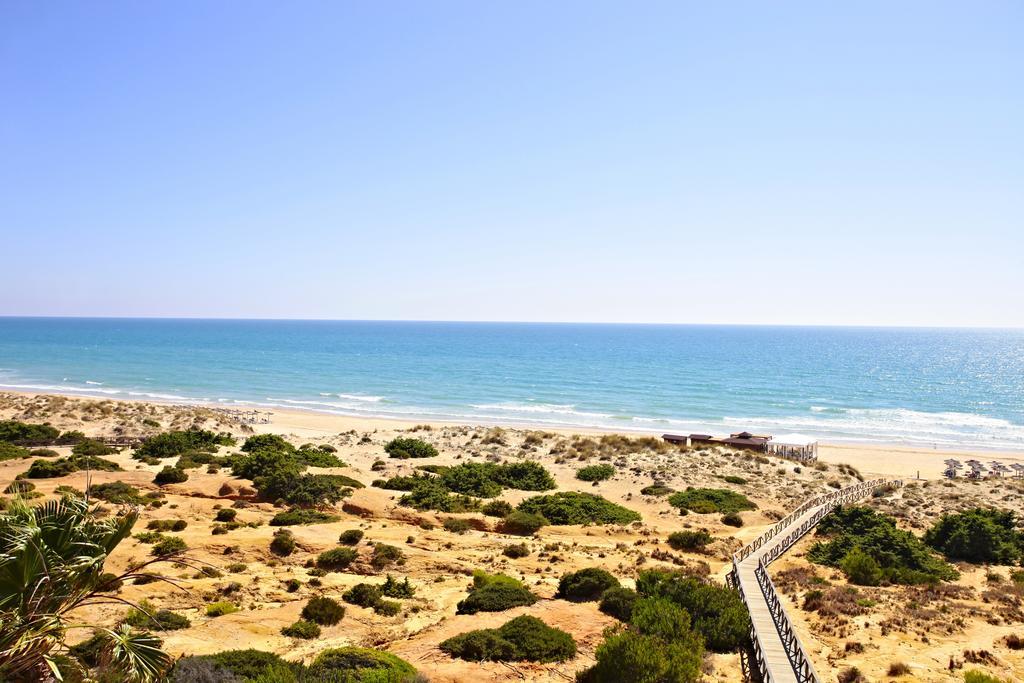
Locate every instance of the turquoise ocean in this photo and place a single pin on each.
(941, 388)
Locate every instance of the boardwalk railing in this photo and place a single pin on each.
(795, 652)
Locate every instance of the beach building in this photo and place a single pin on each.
(794, 446)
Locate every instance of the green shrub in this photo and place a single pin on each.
(717, 612)
(524, 475)
(363, 595)
(42, 453)
(732, 519)
(586, 584)
(49, 469)
(979, 535)
(733, 479)
(516, 550)
(569, 507)
(976, 676)
(170, 444)
(496, 508)
(395, 589)
(495, 593)
(430, 494)
(472, 479)
(87, 447)
(456, 525)
(283, 543)
(20, 486)
(248, 665)
(618, 602)
(524, 638)
(659, 645)
(147, 618)
(595, 473)
(170, 475)
(522, 523)
(306, 630)
(705, 501)
(297, 516)
(268, 442)
(385, 555)
(657, 490)
(689, 540)
(117, 492)
(350, 537)
(219, 609)
(323, 611)
(900, 556)
(166, 525)
(8, 451)
(170, 545)
(14, 432)
(387, 608)
(360, 665)
(318, 458)
(860, 568)
(408, 447)
(336, 559)
(225, 515)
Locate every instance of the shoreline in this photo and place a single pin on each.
(901, 460)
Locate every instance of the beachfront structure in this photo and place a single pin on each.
(794, 446)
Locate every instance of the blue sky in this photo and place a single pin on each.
(799, 163)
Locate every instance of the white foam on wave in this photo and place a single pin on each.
(89, 381)
(541, 409)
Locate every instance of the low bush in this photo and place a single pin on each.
(20, 486)
(170, 475)
(657, 490)
(225, 515)
(522, 523)
(516, 551)
(219, 609)
(732, 519)
(336, 559)
(170, 545)
(146, 617)
(408, 447)
(362, 595)
(689, 540)
(360, 665)
(733, 479)
(869, 545)
(87, 447)
(495, 593)
(595, 473)
(456, 525)
(978, 535)
(387, 608)
(658, 645)
(166, 525)
(14, 431)
(298, 516)
(350, 537)
(8, 451)
(717, 612)
(569, 507)
(430, 494)
(283, 543)
(385, 555)
(524, 475)
(170, 444)
(323, 611)
(618, 602)
(306, 630)
(704, 501)
(524, 638)
(496, 508)
(243, 665)
(118, 492)
(586, 584)
(397, 589)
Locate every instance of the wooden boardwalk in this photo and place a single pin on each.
(779, 656)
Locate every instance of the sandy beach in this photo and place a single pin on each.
(439, 562)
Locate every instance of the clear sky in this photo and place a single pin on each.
(790, 162)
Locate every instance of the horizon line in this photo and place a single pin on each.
(515, 322)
